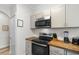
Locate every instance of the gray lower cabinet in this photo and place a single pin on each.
(56, 51)
(60, 51)
(72, 53)
(28, 47)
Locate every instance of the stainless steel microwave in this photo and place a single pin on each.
(44, 22)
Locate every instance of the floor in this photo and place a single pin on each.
(4, 51)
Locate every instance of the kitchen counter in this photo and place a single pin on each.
(60, 44)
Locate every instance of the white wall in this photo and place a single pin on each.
(23, 13)
(12, 30)
(6, 8)
(72, 31)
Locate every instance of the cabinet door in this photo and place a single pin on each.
(46, 12)
(32, 21)
(58, 16)
(52, 52)
(72, 15)
(56, 51)
(35, 17)
(72, 53)
(28, 47)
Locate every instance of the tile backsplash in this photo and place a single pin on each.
(73, 32)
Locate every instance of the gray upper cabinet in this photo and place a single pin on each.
(72, 15)
(58, 16)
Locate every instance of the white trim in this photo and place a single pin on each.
(4, 46)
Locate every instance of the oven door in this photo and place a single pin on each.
(40, 49)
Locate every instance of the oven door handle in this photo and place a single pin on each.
(40, 44)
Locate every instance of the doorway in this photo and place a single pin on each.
(4, 34)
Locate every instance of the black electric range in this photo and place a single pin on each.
(40, 46)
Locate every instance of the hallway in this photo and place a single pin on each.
(4, 29)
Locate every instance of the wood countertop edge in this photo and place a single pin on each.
(64, 48)
(67, 48)
(30, 38)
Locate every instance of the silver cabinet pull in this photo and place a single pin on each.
(40, 44)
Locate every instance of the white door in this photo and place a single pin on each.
(72, 15)
(12, 35)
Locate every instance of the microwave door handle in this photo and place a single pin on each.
(39, 44)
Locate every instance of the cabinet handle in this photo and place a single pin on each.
(40, 44)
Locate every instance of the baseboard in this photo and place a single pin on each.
(4, 46)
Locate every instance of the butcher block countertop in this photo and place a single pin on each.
(61, 44)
